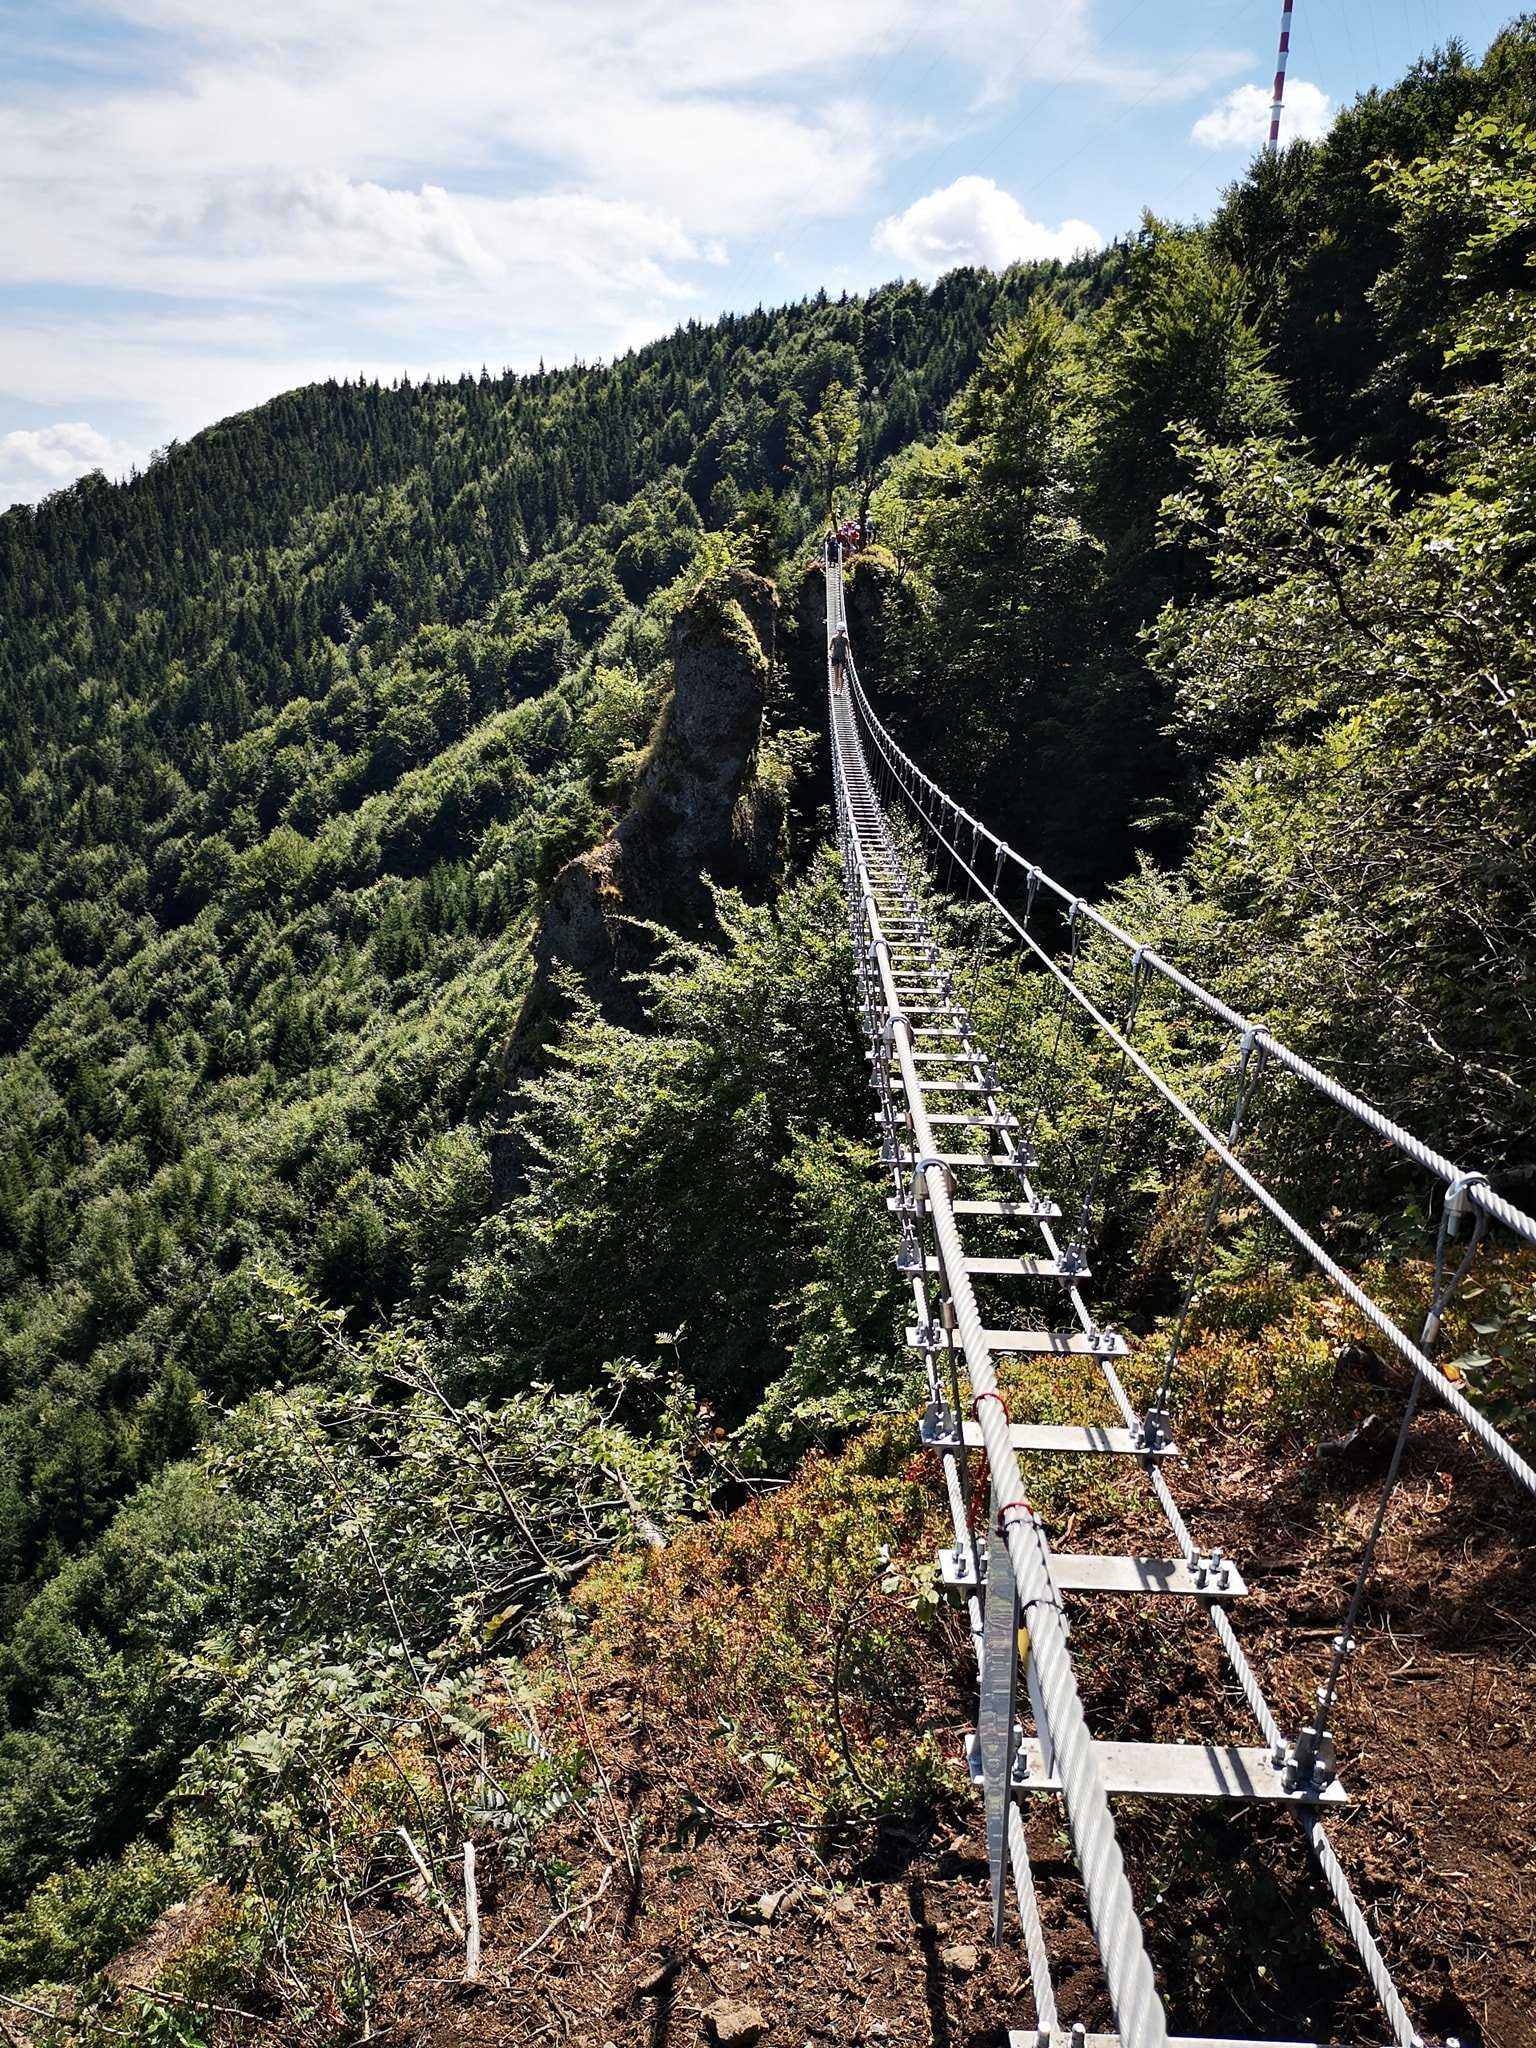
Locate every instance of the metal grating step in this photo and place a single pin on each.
(1060, 2037)
(1018, 1212)
(942, 1087)
(1022, 1212)
(1209, 1579)
(1014, 1268)
(1069, 1439)
(908, 1160)
(1043, 1343)
(1237, 1772)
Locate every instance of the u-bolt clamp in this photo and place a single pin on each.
(888, 1035)
(920, 1171)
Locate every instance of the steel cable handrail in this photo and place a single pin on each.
(1478, 1192)
(1469, 1186)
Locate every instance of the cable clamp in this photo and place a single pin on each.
(1074, 912)
(921, 1168)
(1456, 1202)
(888, 1035)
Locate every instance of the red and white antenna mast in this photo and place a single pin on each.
(1285, 51)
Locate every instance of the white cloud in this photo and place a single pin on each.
(37, 460)
(1054, 42)
(975, 221)
(1241, 120)
(306, 190)
(266, 235)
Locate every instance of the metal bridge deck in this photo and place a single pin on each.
(1006, 1571)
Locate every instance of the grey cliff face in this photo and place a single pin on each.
(688, 818)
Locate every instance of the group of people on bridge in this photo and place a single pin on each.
(848, 537)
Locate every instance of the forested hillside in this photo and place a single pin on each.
(347, 1311)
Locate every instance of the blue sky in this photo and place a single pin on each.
(202, 205)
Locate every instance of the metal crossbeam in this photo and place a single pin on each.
(1033, 1343)
(1232, 1772)
(1017, 1212)
(1047, 1439)
(1031, 1268)
(1202, 1579)
(1054, 2037)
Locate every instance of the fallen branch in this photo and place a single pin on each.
(649, 1531)
(433, 1891)
(580, 1906)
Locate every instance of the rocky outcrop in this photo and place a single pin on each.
(692, 815)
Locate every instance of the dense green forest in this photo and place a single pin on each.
(1206, 569)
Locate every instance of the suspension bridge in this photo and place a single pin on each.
(963, 1174)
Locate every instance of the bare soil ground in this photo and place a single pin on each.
(737, 1914)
